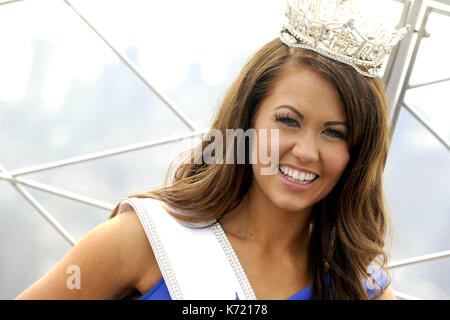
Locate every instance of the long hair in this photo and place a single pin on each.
(348, 226)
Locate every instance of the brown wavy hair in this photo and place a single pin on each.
(349, 226)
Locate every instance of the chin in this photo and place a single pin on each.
(293, 205)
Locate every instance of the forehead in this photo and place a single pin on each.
(307, 90)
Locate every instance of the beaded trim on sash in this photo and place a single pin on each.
(158, 249)
(168, 271)
(234, 261)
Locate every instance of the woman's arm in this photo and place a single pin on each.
(112, 260)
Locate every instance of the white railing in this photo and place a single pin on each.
(18, 182)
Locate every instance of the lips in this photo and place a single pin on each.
(296, 186)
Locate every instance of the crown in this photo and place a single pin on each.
(336, 29)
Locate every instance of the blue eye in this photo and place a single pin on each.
(335, 134)
(286, 119)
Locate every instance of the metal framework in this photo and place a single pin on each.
(400, 102)
(394, 72)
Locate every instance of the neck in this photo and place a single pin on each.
(266, 227)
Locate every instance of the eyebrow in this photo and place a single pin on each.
(294, 110)
(333, 123)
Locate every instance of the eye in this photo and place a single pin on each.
(286, 119)
(334, 133)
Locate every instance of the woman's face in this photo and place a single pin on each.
(306, 109)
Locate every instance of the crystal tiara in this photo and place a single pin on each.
(336, 29)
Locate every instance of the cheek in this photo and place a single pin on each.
(335, 161)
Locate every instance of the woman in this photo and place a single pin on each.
(332, 123)
(313, 230)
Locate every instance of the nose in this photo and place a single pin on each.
(306, 149)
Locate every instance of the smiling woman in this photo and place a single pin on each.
(313, 230)
(317, 225)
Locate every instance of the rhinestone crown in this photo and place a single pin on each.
(336, 29)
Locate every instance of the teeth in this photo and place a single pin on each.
(302, 176)
(297, 176)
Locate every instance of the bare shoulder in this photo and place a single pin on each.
(138, 255)
(112, 259)
(388, 294)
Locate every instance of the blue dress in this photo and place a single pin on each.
(160, 292)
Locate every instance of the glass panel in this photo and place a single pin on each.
(111, 179)
(75, 217)
(416, 177)
(426, 280)
(29, 245)
(432, 59)
(64, 93)
(191, 50)
(432, 103)
(417, 173)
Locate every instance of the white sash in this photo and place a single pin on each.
(197, 264)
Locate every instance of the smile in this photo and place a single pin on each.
(295, 179)
(297, 175)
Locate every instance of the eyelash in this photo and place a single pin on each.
(283, 118)
(286, 119)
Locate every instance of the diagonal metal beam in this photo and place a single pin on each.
(398, 103)
(440, 8)
(9, 2)
(404, 296)
(103, 154)
(135, 70)
(42, 211)
(413, 86)
(57, 191)
(447, 2)
(395, 71)
(422, 258)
